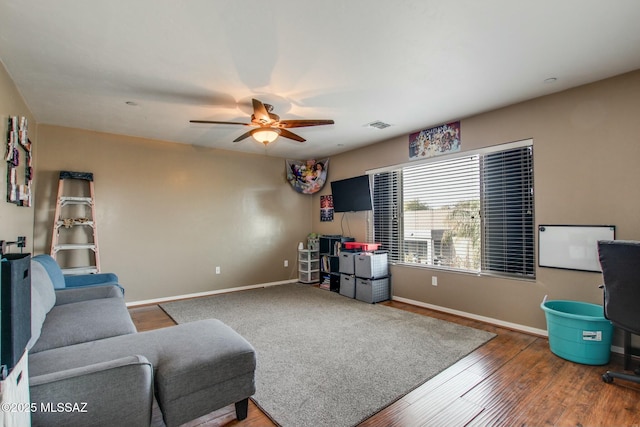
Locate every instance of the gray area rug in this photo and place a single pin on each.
(328, 360)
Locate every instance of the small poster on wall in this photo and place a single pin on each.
(435, 141)
(326, 208)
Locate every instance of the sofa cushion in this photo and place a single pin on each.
(175, 346)
(84, 321)
(42, 285)
(43, 298)
(71, 295)
(52, 268)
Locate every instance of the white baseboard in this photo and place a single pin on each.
(490, 320)
(208, 293)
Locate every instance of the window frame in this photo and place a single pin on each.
(398, 245)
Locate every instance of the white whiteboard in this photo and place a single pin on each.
(573, 247)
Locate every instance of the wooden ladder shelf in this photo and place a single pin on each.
(85, 217)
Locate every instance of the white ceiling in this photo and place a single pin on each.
(411, 63)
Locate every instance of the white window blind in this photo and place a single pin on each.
(442, 213)
(473, 212)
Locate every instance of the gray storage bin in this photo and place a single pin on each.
(373, 290)
(370, 265)
(347, 265)
(347, 285)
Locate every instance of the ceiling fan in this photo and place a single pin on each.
(268, 125)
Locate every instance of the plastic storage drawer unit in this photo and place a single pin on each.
(309, 265)
(372, 290)
(371, 265)
(308, 255)
(347, 286)
(309, 276)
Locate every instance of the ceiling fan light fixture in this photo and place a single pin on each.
(265, 135)
(268, 125)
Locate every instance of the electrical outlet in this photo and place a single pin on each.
(434, 280)
(286, 263)
(218, 270)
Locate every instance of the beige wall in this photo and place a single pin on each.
(169, 213)
(14, 221)
(586, 157)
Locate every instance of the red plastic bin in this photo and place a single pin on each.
(361, 246)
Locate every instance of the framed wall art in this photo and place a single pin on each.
(435, 141)
(19, 156)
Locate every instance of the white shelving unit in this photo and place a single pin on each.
(309, 265)
(14, 395)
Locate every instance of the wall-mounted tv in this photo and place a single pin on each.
(352, 194)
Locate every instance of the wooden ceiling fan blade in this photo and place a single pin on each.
(263, 119)
(304, 123)
(215, 122)
(285, 133)
(260, 112)
(243, 136)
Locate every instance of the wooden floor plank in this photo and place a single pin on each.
(512, 380)
(438, 400)
(600, 404)
(507, 390)
(458, 413)
(150, 317)
(546, 407)
(392, 415)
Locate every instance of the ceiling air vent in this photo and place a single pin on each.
(378, 124)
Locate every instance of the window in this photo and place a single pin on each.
(472, 212)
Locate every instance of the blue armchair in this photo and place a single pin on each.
(62, 281)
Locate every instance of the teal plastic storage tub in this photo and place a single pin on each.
(578, 331)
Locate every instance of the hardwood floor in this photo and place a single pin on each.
(513, 380)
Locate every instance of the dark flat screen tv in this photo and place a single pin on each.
(352, 194)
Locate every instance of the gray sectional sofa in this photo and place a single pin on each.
(89, 367)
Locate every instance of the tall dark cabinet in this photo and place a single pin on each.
(330, 247)
(15, 302)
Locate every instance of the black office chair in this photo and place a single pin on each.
(620, 262)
